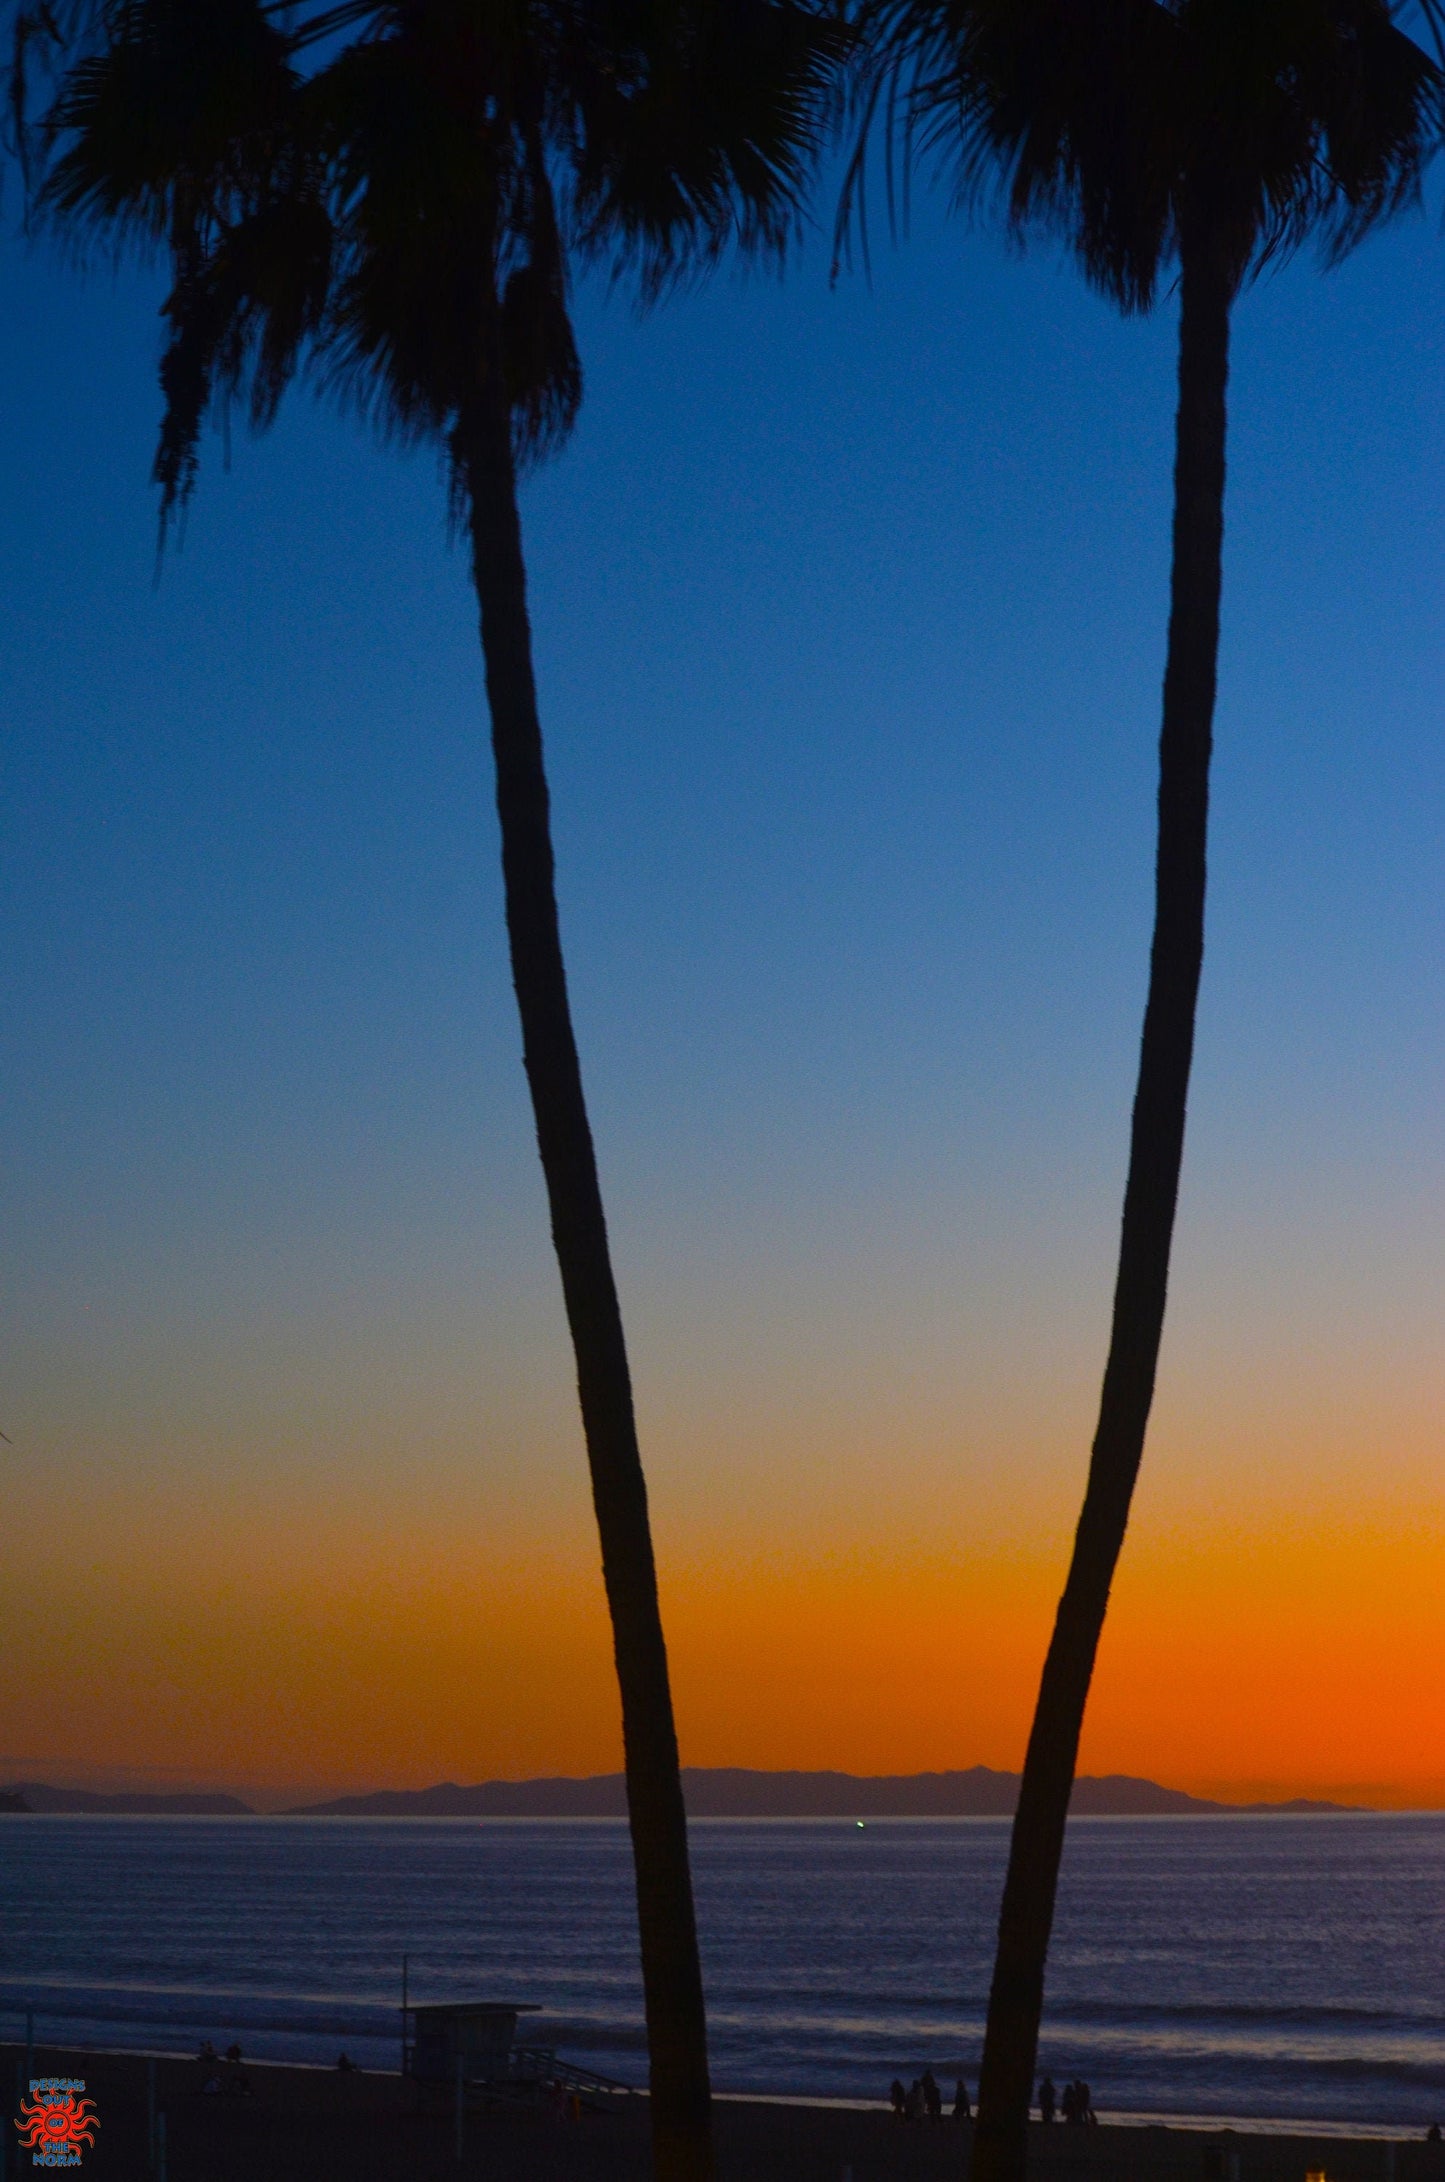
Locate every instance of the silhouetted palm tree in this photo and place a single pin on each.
(1211, 135)
(389, 191)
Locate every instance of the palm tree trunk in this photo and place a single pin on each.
(671, 1973)
(1156, 1147)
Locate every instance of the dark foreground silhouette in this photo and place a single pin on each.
(399, 209)
(1207, 140)
(325, 2125)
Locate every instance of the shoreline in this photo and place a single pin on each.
(1333, 2128)
(1301, 2127)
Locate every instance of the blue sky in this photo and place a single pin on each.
(849, 607)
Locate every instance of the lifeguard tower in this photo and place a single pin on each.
(477, 2034)
(470, 2047)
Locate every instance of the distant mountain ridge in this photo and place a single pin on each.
(34, 1795)
(737, 1792)
(711, 1792)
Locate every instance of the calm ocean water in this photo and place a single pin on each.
(1258, 1968)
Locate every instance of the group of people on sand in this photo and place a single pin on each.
(1075, 2102)
(923, 2101)
(222, 2072)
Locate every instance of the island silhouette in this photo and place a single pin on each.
(740, 1792)
(711, 1792)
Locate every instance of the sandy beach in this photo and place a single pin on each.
(315, 2125)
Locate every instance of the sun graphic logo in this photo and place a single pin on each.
(55, 2122)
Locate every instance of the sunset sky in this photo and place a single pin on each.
(849, 609)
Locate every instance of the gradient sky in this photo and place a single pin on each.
(849, 611)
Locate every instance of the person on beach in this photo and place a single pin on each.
(932, 2096)
(962, 2111)
(1432, 2134)
(898, 2099)
(232, 2077)
(209, 2063)
(914, 2110)
(1048, 2099)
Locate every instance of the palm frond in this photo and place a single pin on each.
(245, 303)
(178, 119)
(390, 193)
(706, 133)
(1103, 121)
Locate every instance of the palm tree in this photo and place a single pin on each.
(1215, 136)
(391, 191)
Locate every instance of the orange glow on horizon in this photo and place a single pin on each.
(320, 1658)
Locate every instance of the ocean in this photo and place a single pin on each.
(1262, 1969)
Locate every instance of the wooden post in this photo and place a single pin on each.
(151, 2115)
(461, 2095)
(405, 1960)
(160, 2148)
